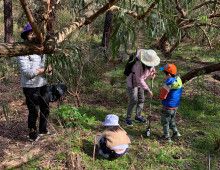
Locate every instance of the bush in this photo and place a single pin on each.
(71, 117)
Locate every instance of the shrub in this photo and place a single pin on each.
(71, 117)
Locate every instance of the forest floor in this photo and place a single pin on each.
(67, 148)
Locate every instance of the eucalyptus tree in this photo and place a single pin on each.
(134, 21)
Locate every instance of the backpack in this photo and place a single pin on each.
(56, 91)
(131, 61)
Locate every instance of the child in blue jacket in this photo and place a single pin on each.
(170, 95)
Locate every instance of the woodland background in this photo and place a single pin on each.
(88, 43)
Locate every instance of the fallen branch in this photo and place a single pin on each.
(200, 71)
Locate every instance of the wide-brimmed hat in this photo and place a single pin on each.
(170, 68)
(148, 57)
(27, 28)
(111, 120)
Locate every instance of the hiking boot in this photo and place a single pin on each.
(33, 136)
(128, 122)
(166, 138)
(140, 119)
(176, 135)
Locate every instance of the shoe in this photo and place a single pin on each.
(176, 135)
(140, 119)
(33, 136)
(44, 133)
(166, 138)
(104, 155)
(128, 122)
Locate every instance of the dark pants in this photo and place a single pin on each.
(37, 100)
(112, 154)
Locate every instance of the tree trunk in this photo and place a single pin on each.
(200, 71)
(51, 19)
(107, 29)
(164, 46)
(8, 21)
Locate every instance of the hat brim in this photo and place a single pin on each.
(161, 69)
(107, 124)
(154, 63)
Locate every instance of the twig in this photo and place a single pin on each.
(209, 161)
(94, 150)
(2, 78)
(207, 37)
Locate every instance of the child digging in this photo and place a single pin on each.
(170, 95)
(114, 141)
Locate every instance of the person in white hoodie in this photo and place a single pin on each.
(34, 84)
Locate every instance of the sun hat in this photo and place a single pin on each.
(148, 57)
(111, 120)
(170, 68)
(27, 28)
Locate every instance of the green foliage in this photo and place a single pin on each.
(72, 117)
(64, 16)
(123, 34)
(203, 19)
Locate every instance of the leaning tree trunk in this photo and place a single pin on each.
(164, 46)
(200, 71)
(8, 21)
(107, 29)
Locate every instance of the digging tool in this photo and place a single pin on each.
(149, 116)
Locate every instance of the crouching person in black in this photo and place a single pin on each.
(114, 141)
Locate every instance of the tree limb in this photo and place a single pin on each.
(145, 14)
(31, 20)
(200, 71)
(18, 49)
(135, 14)
(100, 11)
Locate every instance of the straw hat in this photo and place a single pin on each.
(111, 120)
(148, 57)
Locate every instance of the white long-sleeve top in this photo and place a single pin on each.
(28, 67)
